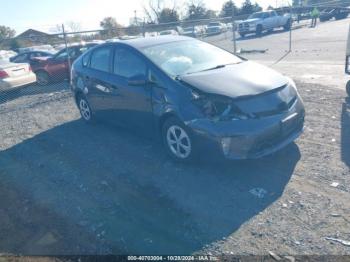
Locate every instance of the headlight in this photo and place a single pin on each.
(218, 108)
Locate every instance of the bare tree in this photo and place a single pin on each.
(155, 7)
(73, 26)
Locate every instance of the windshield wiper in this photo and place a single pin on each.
(213, 68)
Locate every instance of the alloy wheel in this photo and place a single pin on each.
(84, 109)
(179, 142)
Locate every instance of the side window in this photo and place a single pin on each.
(20, 58)
(266, 15)
(100, 59)
(127, 64)
(273, 14)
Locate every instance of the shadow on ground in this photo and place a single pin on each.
(345, 132)
(123, 191)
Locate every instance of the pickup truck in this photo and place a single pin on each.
(264, 21)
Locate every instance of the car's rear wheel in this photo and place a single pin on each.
(42, 78)
(85, 109)
(177, 140)
(348, 88)
(242, 35)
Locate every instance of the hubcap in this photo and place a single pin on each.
(179, 142)
(84, 109)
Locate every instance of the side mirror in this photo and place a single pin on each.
(138, 80)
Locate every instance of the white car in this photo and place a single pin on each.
(15, 75)
(259, 22)
(168, 32)
(6, 54)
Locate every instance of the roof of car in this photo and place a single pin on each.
(143, 42)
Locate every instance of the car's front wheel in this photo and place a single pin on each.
(84, 109)
(177, 140)
(42, 78)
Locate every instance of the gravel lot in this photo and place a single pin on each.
(71, 188)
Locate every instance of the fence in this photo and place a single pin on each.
(268, 46)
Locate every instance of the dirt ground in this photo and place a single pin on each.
(71, 188)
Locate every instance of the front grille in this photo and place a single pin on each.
(282, 107)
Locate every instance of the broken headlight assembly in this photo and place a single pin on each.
(218, 108)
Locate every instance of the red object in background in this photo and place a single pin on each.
(57, 67)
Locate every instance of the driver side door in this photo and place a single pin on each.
(131, 104)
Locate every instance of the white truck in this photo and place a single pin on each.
(259, 22)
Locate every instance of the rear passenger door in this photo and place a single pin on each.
(97, 79)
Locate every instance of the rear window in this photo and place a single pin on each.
(100, 59)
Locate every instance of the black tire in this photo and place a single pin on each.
(178, 153)
(270, 31)
(259, 30)
(242, 35)
(85, 109)
(42, 78)
(348, 88)
(288, 25)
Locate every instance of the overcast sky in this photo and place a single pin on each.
(44, 15)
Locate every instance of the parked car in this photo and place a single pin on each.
(192, 31)
(15, 75)
(168, 32)
(44, 48)
(214, 28)
(197, 97)
(259, 22)
(337, 13)
(56, 68)
(29, 57)
(6, 54)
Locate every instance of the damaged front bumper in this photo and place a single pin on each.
(252, 138)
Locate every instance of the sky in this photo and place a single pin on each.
(44, 15)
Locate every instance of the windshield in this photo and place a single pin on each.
(256, 15)
(185, 57)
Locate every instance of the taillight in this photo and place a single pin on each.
(3, 74)
(30, 69)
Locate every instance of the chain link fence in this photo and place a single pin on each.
(50, 55)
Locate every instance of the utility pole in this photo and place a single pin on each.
(234, 30)
(67, 51)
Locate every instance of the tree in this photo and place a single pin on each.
(155, 8)
(168, 15)
(196, 10)
(73, 26)
(227, 8)
(14, 44)
(248, 8)
(6, 32)
(111, 27)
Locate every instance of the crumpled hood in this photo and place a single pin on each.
(244, 79)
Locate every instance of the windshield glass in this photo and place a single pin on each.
(256, 15)
(185, 57)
